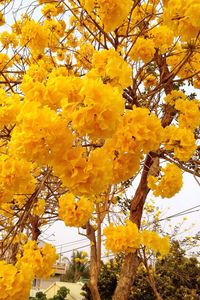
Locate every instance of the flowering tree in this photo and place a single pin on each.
(92, 94)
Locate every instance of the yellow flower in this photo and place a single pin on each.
(181, 141)
(102, 67)
(122, 238)
(172, 97)
(39, 207)
(153, 241)
(40, 259)
(189, 113)
(162, 37)
(34, 35)
(97, 106)
(2, 20)
(168, 185)
(15, 281)
(75, 213)
(143, 49)
(15, 178)
(182, 17)
(112, 12)
(52, 9)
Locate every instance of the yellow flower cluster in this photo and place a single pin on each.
(39, 207)
(34, 35)
(96, 175)
(80, 99)
(189, 113)
(8, 39)
(102, 66)
(40, 134)
(2, 19)
(102, 104)
(162, 37)
(183, 17)
(9, 108)
(131, 139)
(153, 241)
(128, 239)
(75, 212)
(84, 56)
(172, 97)
(181, 141)
(15, 178)
(39, 259)
(167, 185)
(52, 9)
(122, 238)
(120, 173)
(5, 61)
(111, 12)
(15, 282)
(143, 49)
(63, 91)
(136, 136)
(191, 66)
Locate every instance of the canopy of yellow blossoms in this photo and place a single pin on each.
(90, 93)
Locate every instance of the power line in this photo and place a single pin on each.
(70, 243)
(67, 251)
(181, 213)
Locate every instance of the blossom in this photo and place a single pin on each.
(143, 49)
(181, 141)
(122, 238)
(75, 212)
(39, 259)
(15, 282)
(102, 66)
(167, 185)
(153, 241)
(189, 113)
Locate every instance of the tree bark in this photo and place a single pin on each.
(127, 277)
(131, 262)
(93, 264)
(156, 293)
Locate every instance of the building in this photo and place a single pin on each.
(44, 283)
(75, 290)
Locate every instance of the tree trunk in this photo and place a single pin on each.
(156, 293)
(93, 264)
(131, 262)
(127, 277)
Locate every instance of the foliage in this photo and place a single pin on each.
(176, 276)
(78, 267)
(61, 295)
(39, 296)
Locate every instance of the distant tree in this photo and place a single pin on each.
(176, 277)
(78, 267)
(39, 296)
(61, 294)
